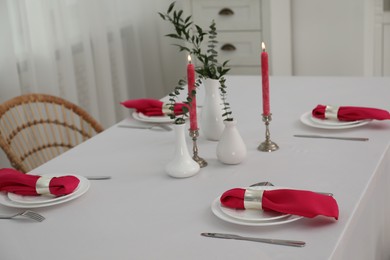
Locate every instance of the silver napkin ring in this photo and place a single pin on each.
(165, 109)
(252, 199)
(42, 185)
(331, 112)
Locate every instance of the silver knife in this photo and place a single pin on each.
(334, 137)
(164, 127)
(98, 177)
(255, 239)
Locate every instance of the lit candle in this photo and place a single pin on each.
(191, 88)
(265, 80)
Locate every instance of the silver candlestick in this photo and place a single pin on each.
(194, 134)
(267, 145)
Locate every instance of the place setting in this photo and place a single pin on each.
(20, 190)
(342, 117)
(150, 114)
(268, 205)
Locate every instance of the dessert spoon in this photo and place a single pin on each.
(267, 183)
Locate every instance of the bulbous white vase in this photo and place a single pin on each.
(231, 149)
(182, 164)
(211, 121)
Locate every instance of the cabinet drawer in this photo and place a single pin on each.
(240, 48)
(228, 14)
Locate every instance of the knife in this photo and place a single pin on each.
(164, 127)
(98, 177)
(334, 137)
(256, 239)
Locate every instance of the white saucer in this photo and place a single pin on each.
(19, 201)
(309, 120)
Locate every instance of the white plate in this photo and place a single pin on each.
(309, 120)
(40, 199)
(43, 201)
(332, 122)
(151, 119)
(254, 214)
(216, 209)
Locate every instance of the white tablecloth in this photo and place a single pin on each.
(141, 213)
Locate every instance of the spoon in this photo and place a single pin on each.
(263, 183)
(267, 183)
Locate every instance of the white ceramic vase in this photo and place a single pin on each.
(182, 164)
(211, 121)
(231, 149)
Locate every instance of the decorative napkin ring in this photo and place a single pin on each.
(331, 112)
(42, 185)
(165, 109)
(253, 198)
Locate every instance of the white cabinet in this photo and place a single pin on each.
(386, 44)
(382, 38)
(238, 25)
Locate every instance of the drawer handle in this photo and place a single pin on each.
(228, 47)
(226, 12)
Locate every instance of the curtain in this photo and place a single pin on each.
(86, 51)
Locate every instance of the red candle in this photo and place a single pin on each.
(265, 80)
(191, 87)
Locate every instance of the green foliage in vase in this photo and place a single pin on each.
(173, 96)
(192, 37)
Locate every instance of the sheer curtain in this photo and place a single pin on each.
(87, 51)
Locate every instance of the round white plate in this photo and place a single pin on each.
(332, 122)
(151, 119)
(216, 209)
(41, 199)
(254, 214)
(20, 202)
(309, 120)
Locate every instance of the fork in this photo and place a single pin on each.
(28, 214)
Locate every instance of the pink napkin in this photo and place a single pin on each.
(297, 202)
(25, 184)
(349, 113)
(152, 107)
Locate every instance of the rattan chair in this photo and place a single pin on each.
(34, 128)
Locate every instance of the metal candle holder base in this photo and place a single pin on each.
(194, 134)
(267, 145)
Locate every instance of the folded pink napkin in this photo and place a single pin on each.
(349, 113)
(297, 202)
(25, 184)
(153, 107)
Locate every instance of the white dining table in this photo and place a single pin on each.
(142, 213)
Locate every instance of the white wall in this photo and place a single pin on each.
(328, 37)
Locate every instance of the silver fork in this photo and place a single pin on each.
(28, 214)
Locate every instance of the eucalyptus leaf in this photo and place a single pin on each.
(170, 7)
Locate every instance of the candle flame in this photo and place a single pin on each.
(263, 46)
(189, 58)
